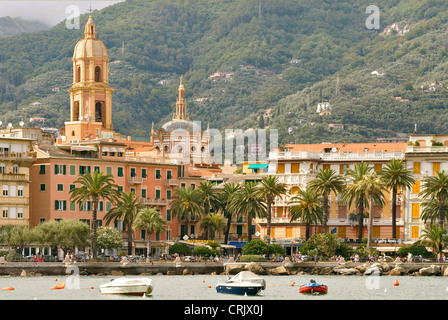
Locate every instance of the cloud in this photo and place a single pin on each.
(49, 12)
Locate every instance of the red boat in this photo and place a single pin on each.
(313, 288)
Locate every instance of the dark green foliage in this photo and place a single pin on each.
(180, 248)
(415, 249)
(254, 41)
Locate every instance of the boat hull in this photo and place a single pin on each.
(127, 287)
(250, 290)
(319, 289)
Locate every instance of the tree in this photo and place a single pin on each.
(179, 248)
(66, 235)
(395, 175)
(212, 223)
(109, 238)
(435, 189)
(186, 205)
(307, 207)
(126, 208)
(269, 188)
(353, 194)
(326, 181)
(230, 189)
(373, 188)
(434, 237)
(208, 197)
(149, 219)
(248, 203)
(94, 188)
(16, 236)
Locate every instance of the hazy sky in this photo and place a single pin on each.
(49, 12)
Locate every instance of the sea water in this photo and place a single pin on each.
(202, 287)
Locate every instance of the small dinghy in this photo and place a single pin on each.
(244, 283)
(128, 286)
(313, 288)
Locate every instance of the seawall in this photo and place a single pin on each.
(192, 268)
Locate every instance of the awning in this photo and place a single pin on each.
(121, 150)
(237, 244)
(105, 149)
(113, 150)
(258, 166)
(83, 148)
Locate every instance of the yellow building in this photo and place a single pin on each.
(425, 155)
(16, 158)
(299, 164)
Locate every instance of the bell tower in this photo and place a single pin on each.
(90, 94)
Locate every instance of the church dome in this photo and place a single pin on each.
(181, 125)
(90, 46)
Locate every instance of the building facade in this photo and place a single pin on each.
(299, 164)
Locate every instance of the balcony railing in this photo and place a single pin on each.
(336, 156)
(135, 180)
(18, 155)
(172, 182)
(154, 202)
(426, 149)
(13, 177)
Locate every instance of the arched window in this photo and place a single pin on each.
(78, 74)
(97, 74)
(98, 112)
(76, 111)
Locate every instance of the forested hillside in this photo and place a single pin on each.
(248, 64)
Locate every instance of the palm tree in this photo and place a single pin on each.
(436, 189)
(94, 188)
(208, 197)
(430, 213)
(230, 189)
(434, 237)
(149, 219)
(326, 181)
(395, 176)
(247, 202)
(269, 188)
(126, 209)
(351, 193)
(373, 188)
(307, 207)
(186, 205)
(212, 223)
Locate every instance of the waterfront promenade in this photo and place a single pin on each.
(194, 268)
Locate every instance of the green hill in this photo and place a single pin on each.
(277, 58)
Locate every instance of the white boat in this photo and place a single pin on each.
(129, 286)
(244, 283)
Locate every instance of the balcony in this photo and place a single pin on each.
(295, 178)
(13, 177)
(367, 156)
(135, 180)
(154, 202)
(426, 149)
(172, 183)
(17, 155)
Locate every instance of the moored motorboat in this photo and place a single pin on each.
(244, 283)
(128, 286)
(313, 288)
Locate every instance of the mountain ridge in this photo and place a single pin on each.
(283, 58)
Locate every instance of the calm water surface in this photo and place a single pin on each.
(199, 287)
